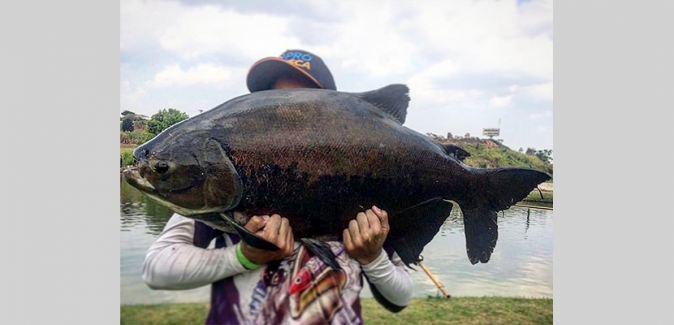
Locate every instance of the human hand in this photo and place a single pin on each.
(365, 237)
(275, 230)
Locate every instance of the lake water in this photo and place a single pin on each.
(521, 265)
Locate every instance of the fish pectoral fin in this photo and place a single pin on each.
(426, 219)
(322, 251)
(248, 237)
(392, 99)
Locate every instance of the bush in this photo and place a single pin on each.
(125, 137)
(164, 119)
(127, 158)
(140, 137)
(498, 157)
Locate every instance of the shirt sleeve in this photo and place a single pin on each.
(173, 262)
(390, 279)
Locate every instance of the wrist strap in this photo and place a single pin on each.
(243, 260)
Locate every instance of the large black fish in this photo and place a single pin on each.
(318, 157)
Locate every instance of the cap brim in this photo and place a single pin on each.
(264, 72)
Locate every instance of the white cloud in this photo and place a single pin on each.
(501, 101)
(383, 49)
(130, 97)
(141, 22)
(204, 74)
(207, 30)
(196, 31)
(486, 36)
(129, 93)
(427, 95)
(540, 91)
(540, 115)
(426, 88)
(456, 54)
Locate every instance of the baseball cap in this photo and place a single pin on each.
(263, 73)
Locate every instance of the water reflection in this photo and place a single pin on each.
(136, 209)
(521, 264)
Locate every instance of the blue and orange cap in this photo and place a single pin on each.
(263, 73)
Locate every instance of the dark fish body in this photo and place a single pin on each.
(318, 157)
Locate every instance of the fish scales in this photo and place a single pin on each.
(318, 157)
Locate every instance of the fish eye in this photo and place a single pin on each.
(161, 167)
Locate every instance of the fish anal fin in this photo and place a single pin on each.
(409, 235)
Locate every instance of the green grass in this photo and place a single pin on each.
(456, 310)
(534, 199)
(536, 196)
(126, 148)
(164, 314)
(126, 151)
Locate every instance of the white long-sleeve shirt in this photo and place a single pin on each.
(310, 289)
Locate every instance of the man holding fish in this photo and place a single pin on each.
(290, 285)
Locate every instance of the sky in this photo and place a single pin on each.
(469, 64)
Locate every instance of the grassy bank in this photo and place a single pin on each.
(534, 199)
(126, 147)
(457, 310)
(126, 152)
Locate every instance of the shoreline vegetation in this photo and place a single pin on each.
(431, 310)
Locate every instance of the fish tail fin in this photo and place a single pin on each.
(493, 190)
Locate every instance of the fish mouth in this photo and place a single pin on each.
(132, 176)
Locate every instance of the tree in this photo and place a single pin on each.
(127, 124)
(164, 119)
(139, 124)
(127, 114)
(545, 155)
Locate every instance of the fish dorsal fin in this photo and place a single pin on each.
(392, 99)
(455, 151)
